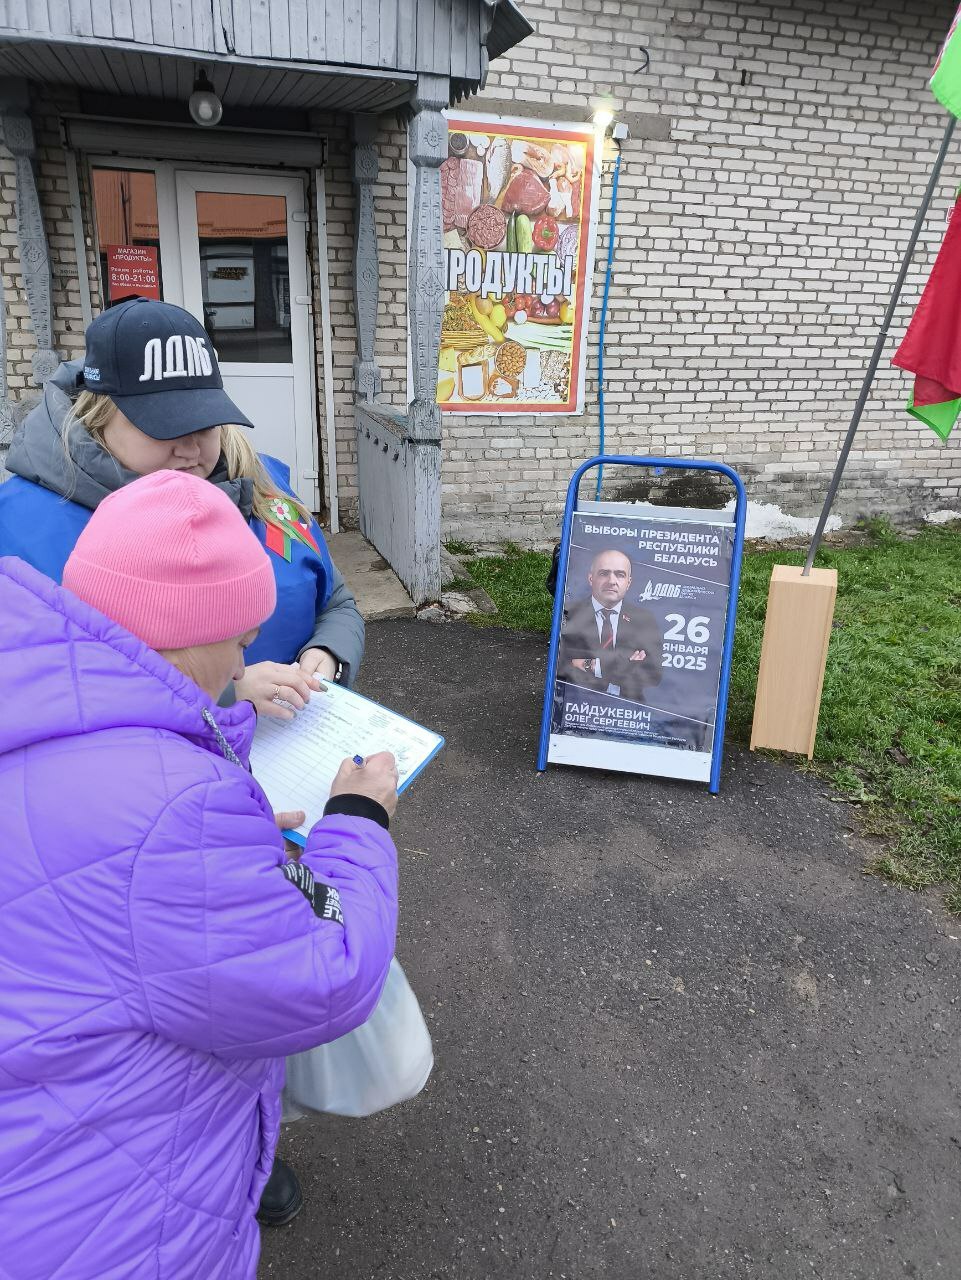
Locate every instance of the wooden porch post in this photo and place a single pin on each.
(31, 237)
(367, 374)
(427, 145)
(428, 149)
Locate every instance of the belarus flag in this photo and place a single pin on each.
(931, 349)
(946, 80)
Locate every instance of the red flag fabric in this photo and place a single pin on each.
(931, 349)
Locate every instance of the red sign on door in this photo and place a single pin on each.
(132, 269)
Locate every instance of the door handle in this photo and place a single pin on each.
(303, 300)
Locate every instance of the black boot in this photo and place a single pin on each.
(282, 1199)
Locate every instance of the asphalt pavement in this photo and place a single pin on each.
(676, 1035)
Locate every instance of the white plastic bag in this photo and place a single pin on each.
(375, 1066)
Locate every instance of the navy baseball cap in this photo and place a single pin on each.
(157, 364)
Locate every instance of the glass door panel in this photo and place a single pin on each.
(128, 233)
(245, 275)
(246, 278)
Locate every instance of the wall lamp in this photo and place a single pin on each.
(204, 106)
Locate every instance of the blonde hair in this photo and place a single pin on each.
(92, 412)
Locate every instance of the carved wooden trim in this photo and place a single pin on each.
(32, 242)
(7, 420)
(367, 374)
(427, 142)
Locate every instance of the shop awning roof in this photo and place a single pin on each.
(131, 74)
(508, 28)
(343, 57)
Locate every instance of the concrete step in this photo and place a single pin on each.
(377, 589)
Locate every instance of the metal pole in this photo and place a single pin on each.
(611, 240)
(879, 347)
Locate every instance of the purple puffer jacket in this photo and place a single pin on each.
(156, 964)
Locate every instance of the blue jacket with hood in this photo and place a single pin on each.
(56, 485)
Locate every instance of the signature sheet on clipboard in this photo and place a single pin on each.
(295, 760)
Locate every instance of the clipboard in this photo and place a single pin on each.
(295, 761)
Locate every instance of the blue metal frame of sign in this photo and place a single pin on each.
(740, 513)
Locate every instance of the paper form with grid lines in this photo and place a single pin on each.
(295, 761)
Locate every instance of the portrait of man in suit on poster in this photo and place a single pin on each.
(608, 645)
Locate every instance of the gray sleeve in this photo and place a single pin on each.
(340, 629)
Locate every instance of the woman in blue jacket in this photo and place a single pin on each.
(147, 397)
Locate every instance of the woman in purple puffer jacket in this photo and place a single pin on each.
(159, 956)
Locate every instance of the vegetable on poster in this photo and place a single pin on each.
(519, 202)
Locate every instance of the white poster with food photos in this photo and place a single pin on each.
(519, 202)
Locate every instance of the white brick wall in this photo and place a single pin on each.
(777, 157)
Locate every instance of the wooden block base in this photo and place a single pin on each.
(797, 630)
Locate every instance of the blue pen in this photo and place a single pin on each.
(359, 760)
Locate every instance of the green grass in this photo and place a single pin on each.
(889, 739)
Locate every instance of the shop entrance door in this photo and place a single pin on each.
(231, 247)
(243, 258)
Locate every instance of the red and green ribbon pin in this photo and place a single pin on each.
(283, 528)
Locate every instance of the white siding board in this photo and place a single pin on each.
(142, 22)
(241, 12)
(472, 45)
(440, 49)
(202, 22)
(387, 38)
(163, 25)
(425, 34)
(182, 19)
(406, 35)
(59, 15)
(458, 39)
(81, 17)
(260, 34)
(17, 18)
(334, 26)
(122, 19)
(353, 53)
(298, 33)
(316, 32)
(280, 30)
(102, 20)
(370, 31)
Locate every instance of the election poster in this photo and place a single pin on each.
(642, 639)
(519, 205)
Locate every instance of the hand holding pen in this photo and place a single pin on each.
(374, 777)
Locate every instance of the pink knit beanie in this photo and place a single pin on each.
(171, 558)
